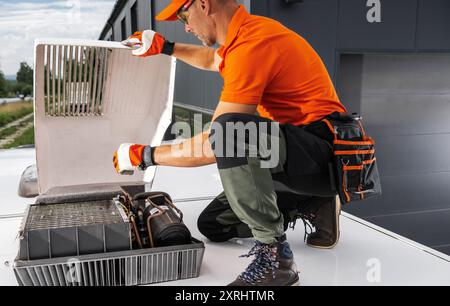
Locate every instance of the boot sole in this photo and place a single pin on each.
(295, 283)
(338, 213)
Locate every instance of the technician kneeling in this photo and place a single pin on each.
(270, 70)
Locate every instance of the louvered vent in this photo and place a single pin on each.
(75, 78)
(124, 269)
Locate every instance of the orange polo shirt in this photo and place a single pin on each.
(266, 64)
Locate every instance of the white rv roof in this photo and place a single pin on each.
(365, 255)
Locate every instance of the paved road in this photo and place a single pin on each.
(19, 131)
(12, 100)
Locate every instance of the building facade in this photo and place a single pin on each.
(389, 60)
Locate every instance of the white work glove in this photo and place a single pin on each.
(130, 156)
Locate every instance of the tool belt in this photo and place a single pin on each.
(355, 163)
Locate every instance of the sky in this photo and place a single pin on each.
(22, 21)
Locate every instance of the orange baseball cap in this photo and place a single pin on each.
(170, 12)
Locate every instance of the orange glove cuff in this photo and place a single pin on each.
(157, 45)
(136, 154)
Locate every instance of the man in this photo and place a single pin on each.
(271, 70)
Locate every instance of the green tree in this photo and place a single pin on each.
(27, 90)
(25, 74)
(3, 90)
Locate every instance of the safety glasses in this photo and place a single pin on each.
(183, 12)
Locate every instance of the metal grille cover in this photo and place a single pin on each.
(75, 77)
(71, 229)
(72, 214)
(128, 268)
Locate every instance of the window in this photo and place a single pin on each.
(187, 113)
(124, 28)
(134, 17)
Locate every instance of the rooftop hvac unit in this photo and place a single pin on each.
(90, 226)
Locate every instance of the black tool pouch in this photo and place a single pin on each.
(354, 156)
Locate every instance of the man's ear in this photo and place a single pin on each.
(205, 6)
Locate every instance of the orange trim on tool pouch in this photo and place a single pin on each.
(343, 187)
(330, 126)
(360, 167)
(355, 143)
(361, 194)
(354, 152)
(369, 161)
(353, 167)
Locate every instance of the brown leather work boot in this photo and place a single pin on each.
(323, 214)
(273, 266)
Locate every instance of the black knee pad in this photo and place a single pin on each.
(225, 140)
(229, 117)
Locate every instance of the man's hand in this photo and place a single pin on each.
(146, 43)
(130, 156)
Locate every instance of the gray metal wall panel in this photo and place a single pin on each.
(429, 228)
(190, 85)
(395, 31)
(380, 111)
(444, 249)
(117, 30)
(349, 81)
(408, 74)
(405, 105)
(315, 20)
(412, 154)
(108, 35)
(260, 7)
(426, 85)
(144, 18)
(144, 15)
(433, 25)
(213, 89)
(125, 13)
(400, 195)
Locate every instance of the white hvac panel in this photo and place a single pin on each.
(91, 96)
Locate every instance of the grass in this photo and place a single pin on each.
(10, 112)
(14, 106)
(26, 138)
(8, 131)
(31, 119)
(12, 129)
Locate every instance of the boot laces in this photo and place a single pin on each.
(264, 262)
(308, 224)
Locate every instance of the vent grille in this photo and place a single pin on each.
(125, 270)
(72, 214)
(75, 79)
